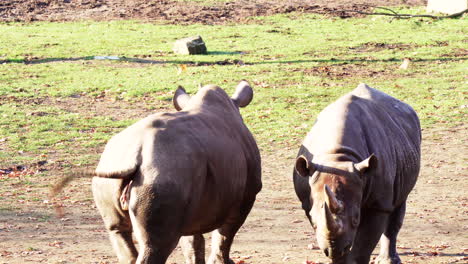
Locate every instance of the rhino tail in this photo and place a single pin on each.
(67, 178)
(64, 181)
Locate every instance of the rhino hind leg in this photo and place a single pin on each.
(106, 194)
(122, 243)
(223, 237)
(155, 243)
(193, 248)
(388, 253)
(155, 222)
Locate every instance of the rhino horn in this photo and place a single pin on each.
(180, 98)
(333, 225)
(336, 205)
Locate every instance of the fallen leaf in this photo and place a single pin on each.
(57, 244)
(182, 68)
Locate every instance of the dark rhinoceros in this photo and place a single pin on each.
(181, 174)
(354, 172)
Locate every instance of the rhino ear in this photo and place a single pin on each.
(243, 94)
(304, 167)
(180, 98)
(368, 164)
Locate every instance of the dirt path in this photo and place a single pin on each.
(178, 11)
(277, 230)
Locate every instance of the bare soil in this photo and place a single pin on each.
(178, 11)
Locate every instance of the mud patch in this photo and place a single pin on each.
(178, 12)
(339, 71)
(458, 53)
(375, 47)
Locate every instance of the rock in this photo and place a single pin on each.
(446, 6)
(190, 46)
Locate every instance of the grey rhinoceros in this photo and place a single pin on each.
(182, 174)
(354, 172)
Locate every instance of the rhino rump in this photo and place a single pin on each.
(122, 155)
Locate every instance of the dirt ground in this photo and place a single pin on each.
(178, 11)
(277, 231)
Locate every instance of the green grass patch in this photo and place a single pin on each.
(296, 63)
(42, 130)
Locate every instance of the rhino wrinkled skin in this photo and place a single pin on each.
(354, 172)
(180, 175)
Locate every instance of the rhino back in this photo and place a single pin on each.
(369, 121)
(207, 161)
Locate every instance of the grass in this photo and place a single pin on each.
(296, 63)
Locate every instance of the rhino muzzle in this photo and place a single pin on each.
(336, 253)
(333, 247)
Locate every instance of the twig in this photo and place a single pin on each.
(405, 16)
(388, 9)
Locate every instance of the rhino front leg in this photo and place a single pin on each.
(388, 253)
(193, 248)
(370, 229)
(106, 194)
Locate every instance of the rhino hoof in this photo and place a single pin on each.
(388, 260)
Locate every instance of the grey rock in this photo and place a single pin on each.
(447, 6)
(190, 46)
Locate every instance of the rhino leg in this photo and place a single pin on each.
(193, 248)
(223, 237)
(221, 241)
(107, 193)
(156, 219)
(370, 229)
(388, 253)
(155, 242)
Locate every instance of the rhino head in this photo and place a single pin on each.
(242, 96)
(336, 192)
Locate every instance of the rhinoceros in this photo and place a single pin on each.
(178, 175)
(354, 171)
